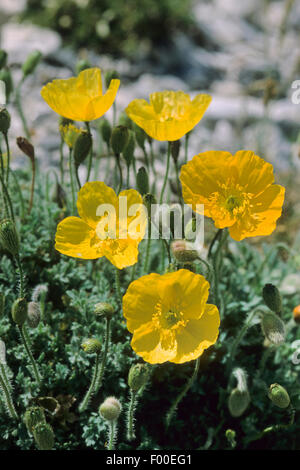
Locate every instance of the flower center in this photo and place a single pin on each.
(233, 202)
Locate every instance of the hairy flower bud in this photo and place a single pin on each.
(119, 139)
(91, 345)
(9, 237)
(125, 120)
(110, 409)
(183, 251)
(142, 181)
(2, 352)
(230, 436)
(105, 130)
(3, 58)
(238, 402)
(31, 63)
(44, 436)
(82, 147)
(19, 311)
(273, 328)
(138, 376)
(272, 298)
(279, 396)
(104, 309)
(6, 77)
(4, 120)
(128, 151)
(33, 314)
(26, 147)
(33, 416)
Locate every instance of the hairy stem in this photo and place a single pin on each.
(84, 404)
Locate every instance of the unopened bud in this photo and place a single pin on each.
(273, 328)
(91, 345)
(104, 309)
(142, 181)
(272, 298)
(44, 436)
(2, 352)
(6, 77)
(33, 416)
(3, 58)
(119, 139)
(149, 200)
(238, 402)
(183, 251)
(9, 237)
(296, 314)
(128, 151)
(26, 147)
(125, 120)
(110, 409)
(19, 311)
(138, 376)
(31, 63)
(105, 130)
(279, 396)
(33, 314)
(4, 120)
(82, 147)
(175, 148)
(230, 436)
(111, 75)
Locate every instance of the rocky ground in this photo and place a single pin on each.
(239, 46)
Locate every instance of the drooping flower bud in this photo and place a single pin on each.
(33, 416)
(33, 314)
(81, 65)
(6, 77)
(175, 148)
(91, 345)
(105, 130)
(104, 309)
(9, 237)
(128, 151)
(238, 402)
(4, 120)
(296, 314)
(142, 181)
(31, 63)
(279, 396)
(2, 304)
(26, 147)
(111, 75)
(272, 298)
(273, 328)
(110, 409)
(138, 376)
(19, 311)
(82, 147)
(183, 251)
(3, 58)
(44, 436)
(119, 139)
(2, 352)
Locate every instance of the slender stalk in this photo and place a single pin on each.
(21, 199)
(112, 426)
(72, 180)
(186, 146)
(166, 174)
(146, 262)
(120, 173)
(21, 274)
(8, 157)
(100, 373)
(24, 337)
(9, 206)
(130, 416)
(32, 185)
(6, 393)
(118, 285)
(90, 155)
(84, 404)
(181, 395)
(61, 161)
(20, 109)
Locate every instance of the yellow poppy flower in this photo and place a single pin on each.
(237, 191)
(111, 234)
(169, 317)
(170, 114)
(80, 98)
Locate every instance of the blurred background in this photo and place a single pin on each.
(246, 54)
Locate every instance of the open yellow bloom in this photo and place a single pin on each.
(237, 191)
(109, 232)
(80, 98)
(169, 317)
(170, 114)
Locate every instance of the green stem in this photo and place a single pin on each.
(146, 262)
(90, 155)
(7, 396)
(188, 385)
(166, 174)
(100, 374)
(84, 404)
(20, 109)
(32, 185)
(130, 416)
(72, 180)
(8, 199)
(24, 337)
(112, 425)
(21, 199)
(61, 161)
(186, 145)
(21, 274)
(8, 157)
(118, 285)
(120, 173)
